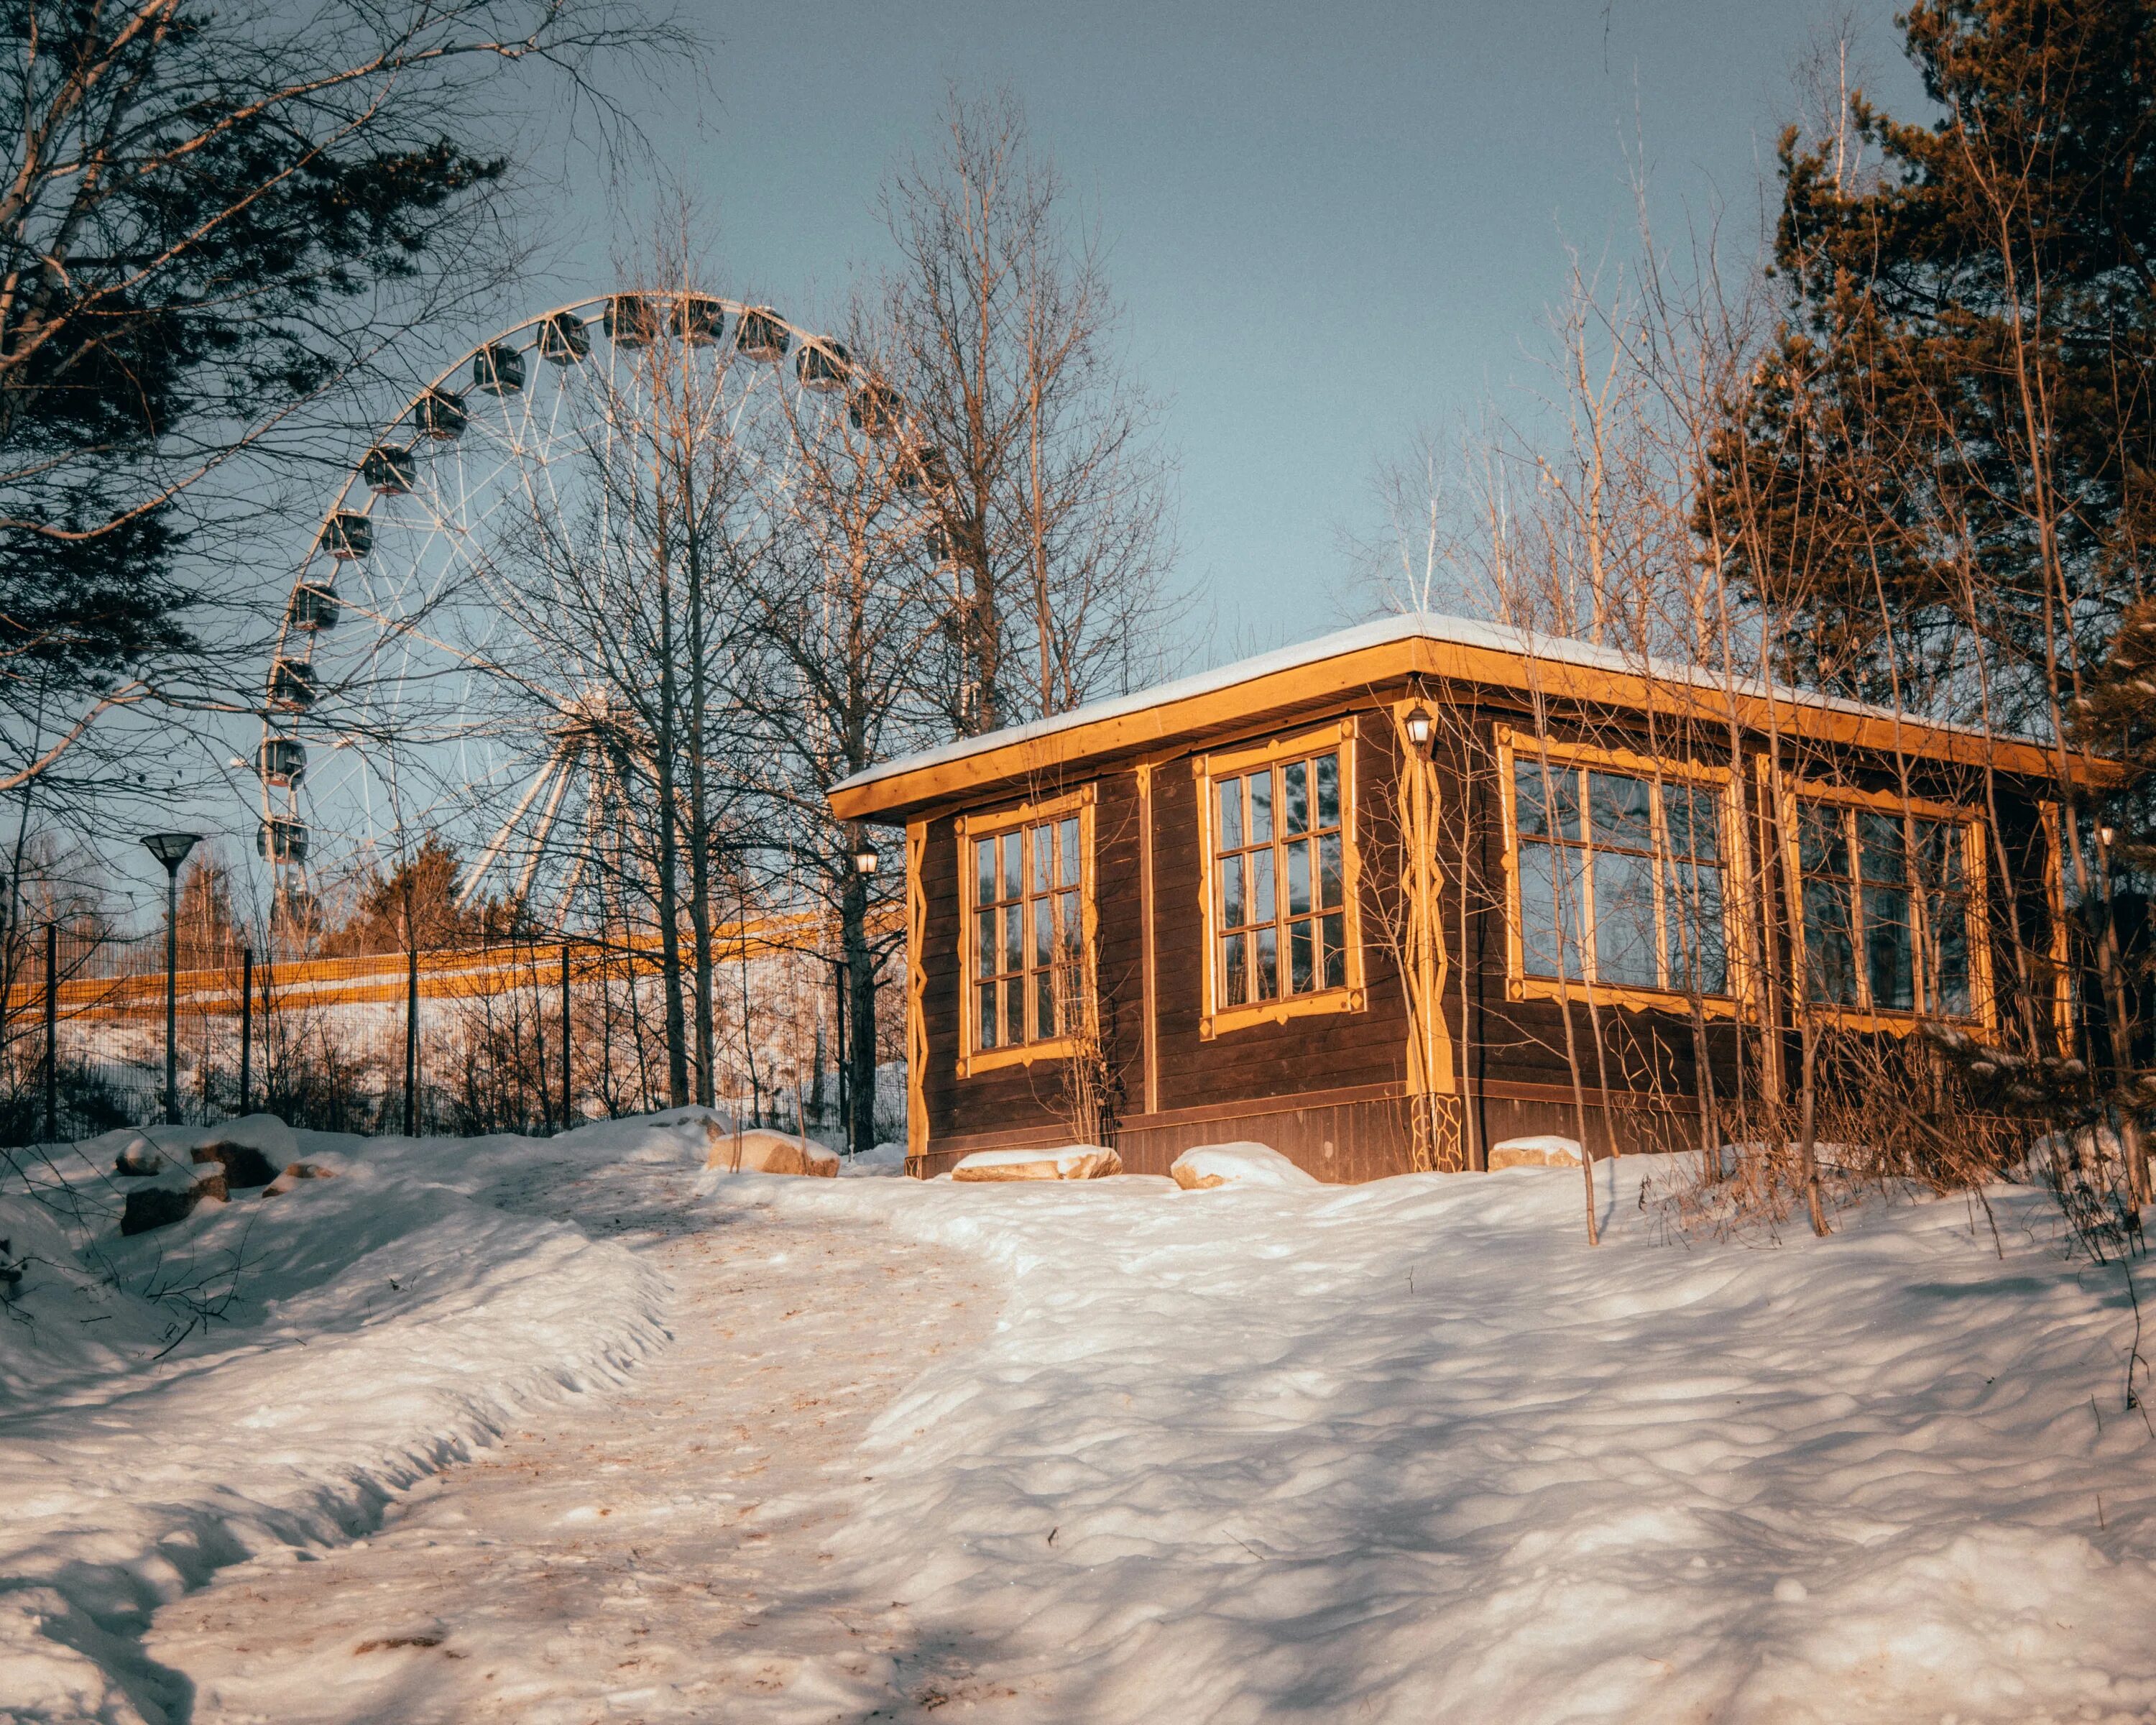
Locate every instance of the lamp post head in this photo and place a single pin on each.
(171, 848)
(865, 860)
(1420, 726)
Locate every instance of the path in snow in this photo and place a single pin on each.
(657, 1552)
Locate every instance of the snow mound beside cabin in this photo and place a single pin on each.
(1209, 1166)
(1072, 1162)
(266, 1371)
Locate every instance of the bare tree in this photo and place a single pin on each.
(839, 605)
(1052, 493)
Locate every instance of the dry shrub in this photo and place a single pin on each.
(1891, 1114)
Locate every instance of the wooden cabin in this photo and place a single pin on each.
(1392, 897)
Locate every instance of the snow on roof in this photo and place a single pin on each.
(1427, 625)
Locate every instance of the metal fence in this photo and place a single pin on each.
(524, 1036)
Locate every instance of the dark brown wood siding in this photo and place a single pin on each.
(1325, 1089)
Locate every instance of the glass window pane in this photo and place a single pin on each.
(1236, 988)
(1295, 778)
(1013, 876)
(1265, 906)
(1014, 937)
(1946, 955)
(984, 871)
(1699, 963)
(1233, 898)
(1298, 877)
(1231, 835)
(984, 937)
(1302, 965)
(1014, 1010)
(1041, 841)
(1527, 797)
(1550, 909)
(1881, 847)
(1331, 874)
(1620, 812)
(1888, 960)
(987, 1014)
(1327, 770)
(1830, 951)
(1044, 1003)
(1625, 920)
(1822, 839)
(1695, 821)
(1262, 807)
(1939, 854)
(1073, 928)
(1067, 842)
(1548, 801)
(1336, 951)
(1265, 960)
(1044, 932)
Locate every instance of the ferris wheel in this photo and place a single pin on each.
(420, 684)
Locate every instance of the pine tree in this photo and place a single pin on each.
(1953, 440)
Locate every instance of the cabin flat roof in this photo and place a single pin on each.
(1434, 645)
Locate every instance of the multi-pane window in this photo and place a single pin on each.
(1620, 878)
(1280, 882)
(1885, 910)
(1029, 932)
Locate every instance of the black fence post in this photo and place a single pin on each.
(246, 1024)
(269, 1038)
(52, 1032)
(838, 972)
(411, 1045)
(568, 1119)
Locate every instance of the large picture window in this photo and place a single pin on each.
(1279, 875)
(1887, 910)
(1278, 825)
(1620, 876)
(1026, 881)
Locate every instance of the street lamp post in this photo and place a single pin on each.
(172, 848)
(857, 1098)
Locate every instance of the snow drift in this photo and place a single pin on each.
(1413, 1451)
(266, 1372)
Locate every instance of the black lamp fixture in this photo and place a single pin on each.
(865, 858)
(1420, 726)
(172, 848)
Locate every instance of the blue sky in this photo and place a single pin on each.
(1330, 225)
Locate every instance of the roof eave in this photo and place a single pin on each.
(896, 796)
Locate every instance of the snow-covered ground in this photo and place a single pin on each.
(1103, 1451)
(370, 1328)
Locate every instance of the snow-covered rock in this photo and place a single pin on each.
(759, 1152)
(1073, 1161)
(294, 1173)
(1541, 1150)
(882, 1162)
(1207, 1166)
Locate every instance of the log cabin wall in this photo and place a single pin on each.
(1328, 1091)
(1324, 1090)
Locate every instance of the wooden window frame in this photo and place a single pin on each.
(972, 827)
(1976, 889)
(1337, 735)
(1726, 782)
